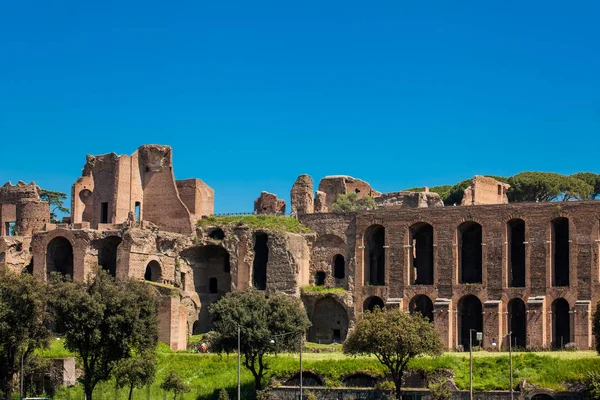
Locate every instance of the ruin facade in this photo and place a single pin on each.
(531, 269)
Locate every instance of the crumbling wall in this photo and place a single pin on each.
(301, 195)
(410, 199)
(197, 196)
(15, 253)
(32, 215)
(333, 186)
(10, 196)
(485, 190)
(268, 203)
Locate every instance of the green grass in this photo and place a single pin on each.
(321, 289)
(272, 222)
(208, 373)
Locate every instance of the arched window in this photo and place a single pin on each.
(422, 304)
(329, 322)
(421, 258)
(153, 272)
(372, 302)
(561, 323)
(560, 252)
(517, 322)
(107, 254)
(470, 253)
(375, 255)
(59, 256)
(516, 253)
(339, 267)
(470, 321)
(217, 234)
(261, 258)
(320, 278)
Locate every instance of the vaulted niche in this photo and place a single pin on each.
(516, 253)
(423, 305)
(517, 322)
(59, 257)
(421, 257)
(261, 258)
(561, 323)
(107, 254)
(560, 252)
(375, 255)
(470, 252)
(470, 321)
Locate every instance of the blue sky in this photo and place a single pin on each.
(252, 94)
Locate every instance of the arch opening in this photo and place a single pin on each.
(339, 267)
(560, 252)
(470, 237)
(422, 304)
(217, 234)
(516, 253)
(517, 323)
(320, 278)
(375, 255)
(561, 323)
(329, 322)
(421, 241)
(470, 321)
(107, 254)
(373, 302)
(59, 257)
(153, 272)
(261, 259)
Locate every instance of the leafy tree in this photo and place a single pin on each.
(350, 203)
(547, 186)
(456, 192)
(394, 337)
(592, 385)
(223, 395)
(174, 383)
(280, 318)
(135, 372)
(23, 322)
(442, 190)
(104, 321)
(591, 179)
(56, 201)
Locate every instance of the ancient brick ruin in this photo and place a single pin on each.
(487, 266)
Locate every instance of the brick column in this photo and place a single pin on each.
(492, 326)
(442, 320)
(582, 324)
(536, 322)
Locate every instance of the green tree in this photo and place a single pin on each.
(223, 395)
(135, 372)
(591, 179)
(351, 203)
(280, 318)
(174, 383)
(394, 337)
(23, 322)
(56, 201)
(104, 321)
(547, 186)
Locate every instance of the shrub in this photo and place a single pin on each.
(308, 395)
(571, 347)
(440, 391)
(592, 385)
(223, 395)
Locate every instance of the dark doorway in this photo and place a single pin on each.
(213, 286)
(107, 254)
(261, 258)
(339, 267)
(421, 254)
(470, 320)
(153, 272)
(561, 323)
(375, 255)
(373, 302)
(516, 253)
(560, 252)
(320, 278)
(59, 257)
(470, 256)
(422, 304)
(104, 213)
(517, 323)
(329, 322)
(217, 234)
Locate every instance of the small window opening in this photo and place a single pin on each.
(213, 286)
(337, 335)
(11, 229)
(104, 213)
(499, 190)
(182, 278)
(339, 267)
(138, 210)
(357, 191)
(217, 234)
(320, 278)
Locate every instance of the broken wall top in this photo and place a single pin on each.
(11, 194)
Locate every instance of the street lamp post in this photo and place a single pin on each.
(511, 364)
(471, 363)
(301, 345)
(239, 386)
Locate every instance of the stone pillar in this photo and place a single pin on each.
(492, 324)
(582, 324)
(301, 195)
(169, 320)
(536, 322)
(442, 320)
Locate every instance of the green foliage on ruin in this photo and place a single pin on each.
(394, 337)
(56, 201)
(351, 203)
(316, 289)
(547, 186)
(174, 383)
(267, 326)
(268, 222)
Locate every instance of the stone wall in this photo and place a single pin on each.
(485, 190)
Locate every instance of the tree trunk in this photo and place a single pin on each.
(398, 383)
(88, 392)
(257, 383)
(130, 392)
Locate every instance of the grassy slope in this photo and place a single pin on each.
(207, 373)
(274, 222)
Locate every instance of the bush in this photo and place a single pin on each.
(264, 394)
(592, 385)
(351, 203)
(308, 395)
(571, 347)
(440, 391)
(223, 395)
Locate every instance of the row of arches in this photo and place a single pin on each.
(470, 253)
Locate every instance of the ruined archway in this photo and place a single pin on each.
(375, 255)
(217, 234)
(212, 280)
(339, 267)
(560, 252)
(422, 304)
(516, 252)
(107, 254)
(470, 255)
(153, 272)
(261, 259)
(421, 257)
(329, 322)
(59, 257)
(470, 320)
(373, 302)
(517, 323)
(561, 323)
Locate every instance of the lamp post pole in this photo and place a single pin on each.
(239, 386)
(511, 364)
(302, 345)
(471, 363)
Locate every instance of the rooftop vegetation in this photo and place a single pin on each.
(267, 222)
